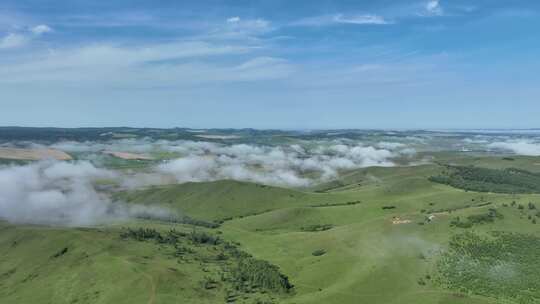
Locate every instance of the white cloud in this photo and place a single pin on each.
(237, 28)
(286, 165)
(233, 19)
(434, 8)
(296, 165)
(61, 193)
(390, 145)
(282, 165)
(255, 24)
(143, 66)
(13, 40)
(19, 39)
(261, 62)
(264, 68)
(476, 140)
(41, 29)
(361, 19)
(191, 168)
(520, 147)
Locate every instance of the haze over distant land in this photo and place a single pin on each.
(270, 64)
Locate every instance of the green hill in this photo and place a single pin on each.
(110, 265)
(227, 199)
(384, 236)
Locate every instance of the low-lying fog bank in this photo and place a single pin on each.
(64, 192)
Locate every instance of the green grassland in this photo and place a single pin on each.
(227, 199)
(369, 259)
(120, 265)
(375, 235)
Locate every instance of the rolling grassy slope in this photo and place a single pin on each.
(367, 258)
(91, 265)
(97, 268)
(225, 199)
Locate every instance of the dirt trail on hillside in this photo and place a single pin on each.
(152, 289)
(153, 286)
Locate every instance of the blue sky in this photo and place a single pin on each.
(270, 64)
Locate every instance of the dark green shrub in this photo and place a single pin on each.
(319, 252)
(201, 237)
(251, 272)
(317, 227)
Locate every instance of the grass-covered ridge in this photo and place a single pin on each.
(132, 265)
(227, 199)
(479, 179)
(338, 245)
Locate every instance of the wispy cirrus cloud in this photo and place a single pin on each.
(20, 38)
(237, 28)
(177, 64)
(123, 55)
(361, 19)
(12, 40)
(336, 19)
(252, 25)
